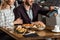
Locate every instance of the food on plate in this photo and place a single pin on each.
(37, 26)
(34, 26)
(27, 25)
(20, 29)
(40, 27)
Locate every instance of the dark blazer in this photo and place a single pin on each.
(20, 12)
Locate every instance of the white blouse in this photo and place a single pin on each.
(7, 17)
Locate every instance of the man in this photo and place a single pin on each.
(28, 13)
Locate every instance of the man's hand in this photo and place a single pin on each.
(39, 22)
(18, 21)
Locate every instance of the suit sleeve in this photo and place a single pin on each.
(17, 13)
(42, 11)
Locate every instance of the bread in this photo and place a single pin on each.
(20, 29)
(27, 25)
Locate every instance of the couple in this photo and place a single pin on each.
(26, 13)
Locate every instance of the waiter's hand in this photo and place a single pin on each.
(55, 14)
(51, 8)
(39, 22)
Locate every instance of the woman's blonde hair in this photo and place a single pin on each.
(4, 4)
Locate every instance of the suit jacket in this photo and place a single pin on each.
(20, 12)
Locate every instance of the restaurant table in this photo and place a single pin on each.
(43, 34)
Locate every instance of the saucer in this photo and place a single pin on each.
(55, 30)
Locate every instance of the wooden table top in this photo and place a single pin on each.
(47, 33)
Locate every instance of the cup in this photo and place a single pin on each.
(57, 28)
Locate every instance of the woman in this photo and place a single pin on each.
(6, 13)
(6, 16)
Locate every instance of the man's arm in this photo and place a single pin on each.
(18, 19)
(42, 10)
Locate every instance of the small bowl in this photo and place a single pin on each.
(41, 28)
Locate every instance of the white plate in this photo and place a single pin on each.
(29, 33)
(55, 31)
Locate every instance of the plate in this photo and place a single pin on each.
(55, 31)
(30, 35)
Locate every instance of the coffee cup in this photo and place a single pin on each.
(57, 28)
